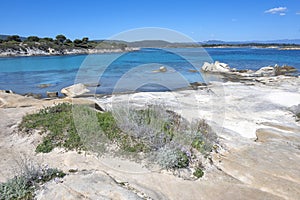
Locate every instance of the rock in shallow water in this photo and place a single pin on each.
(265, 71)
(215, 67)
(44, 85)
(162, 69)
(52, 94)
(36, 96)
(75, 90)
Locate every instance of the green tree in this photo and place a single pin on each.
(61, 38)
(85, 40)
(33, 39)
(68, 41)
(15, 38)
(77, 41)
(48, 39)
(123, 46)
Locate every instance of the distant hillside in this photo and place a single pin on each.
(14, 45)
(165, 44)
(284, 41)
(4, 37)
(149, 43)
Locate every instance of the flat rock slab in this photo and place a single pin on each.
(86, 185)
(273, 167)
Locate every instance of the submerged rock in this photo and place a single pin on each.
(193, 70)
(44, 85)
(75, 90)
(52, 94)
(91, 84)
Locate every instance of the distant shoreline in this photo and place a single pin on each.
(34, 53)
(17, 53)
(258, 47)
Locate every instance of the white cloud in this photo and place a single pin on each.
(281, 14)
(280, 10)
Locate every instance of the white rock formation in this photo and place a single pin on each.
(215, 67)
(162, 69)
(74, 90)
(265, 71)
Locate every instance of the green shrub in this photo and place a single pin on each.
(46, 146)
(24, 185)
(16, 188)
(171, 158)
(198, 173)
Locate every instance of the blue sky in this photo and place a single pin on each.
(231, 20)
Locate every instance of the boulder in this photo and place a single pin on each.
(74, 90)
(7, 91)
(284, 70)
(289, 68)
(196, 85)
(162, 69)
(265, 71)
(52, 94)
(215, 67)
(36, 96)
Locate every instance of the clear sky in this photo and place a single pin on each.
(229, 20)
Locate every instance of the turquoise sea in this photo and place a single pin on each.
(131, 71)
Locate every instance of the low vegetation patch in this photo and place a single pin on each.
(154, 134)
(58, 124)
(24, 185)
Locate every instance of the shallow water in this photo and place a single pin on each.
(132, 71)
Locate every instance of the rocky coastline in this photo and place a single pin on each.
(269, 75)
(26, 51)
(255, 117)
